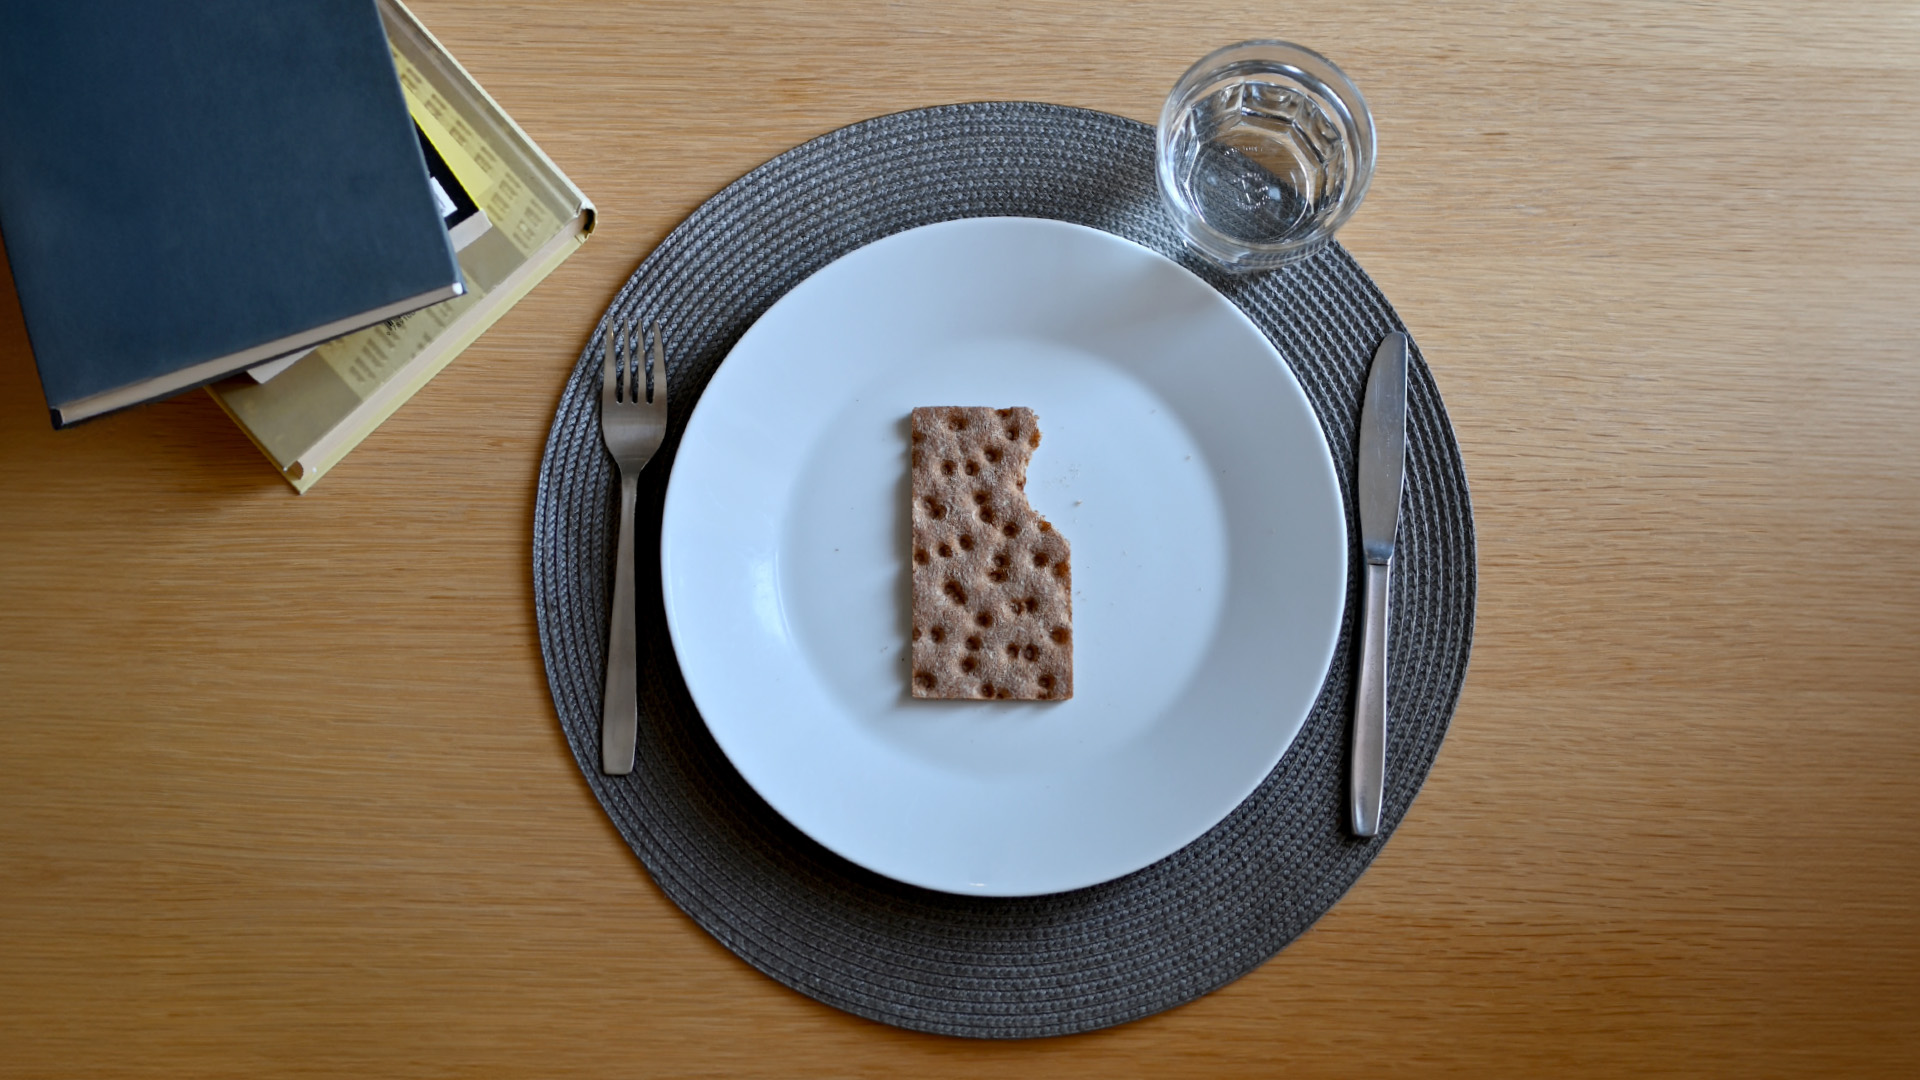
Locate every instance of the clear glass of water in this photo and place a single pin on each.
(1265, 148)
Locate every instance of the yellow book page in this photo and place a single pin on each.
(457, 143)
(485, 175)
(368, 358)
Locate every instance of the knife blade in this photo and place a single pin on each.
(1383, 464)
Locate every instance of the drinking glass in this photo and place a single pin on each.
(1264, 149)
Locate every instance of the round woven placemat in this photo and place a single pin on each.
(975, 966)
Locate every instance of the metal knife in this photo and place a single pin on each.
(1383, 466)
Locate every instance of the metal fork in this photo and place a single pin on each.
(633, 421)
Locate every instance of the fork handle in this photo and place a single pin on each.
(620, 712)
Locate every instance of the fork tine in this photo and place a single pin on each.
(659, 397)
(639, 362)
(606, 368)
(636, 363)
(626, 361)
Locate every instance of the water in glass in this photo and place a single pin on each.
(1260, 162)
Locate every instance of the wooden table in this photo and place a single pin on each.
(282, 791)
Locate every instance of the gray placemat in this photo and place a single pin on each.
(974, 966)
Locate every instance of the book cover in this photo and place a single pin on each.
(190, 189)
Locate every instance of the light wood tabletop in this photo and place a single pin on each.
(282, 790)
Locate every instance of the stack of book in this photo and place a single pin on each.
(311, 207)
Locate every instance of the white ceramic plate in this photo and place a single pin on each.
(1180, 459)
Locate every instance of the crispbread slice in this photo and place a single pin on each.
(992, 584)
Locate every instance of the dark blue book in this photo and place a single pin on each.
(190, 188)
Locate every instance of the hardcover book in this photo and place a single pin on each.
(188, 190)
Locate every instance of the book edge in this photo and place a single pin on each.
(69, 413)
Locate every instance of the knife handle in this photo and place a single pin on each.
(1370, 705)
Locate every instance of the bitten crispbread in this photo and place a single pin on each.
(992, 585)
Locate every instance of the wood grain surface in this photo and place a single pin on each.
(282, 791)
